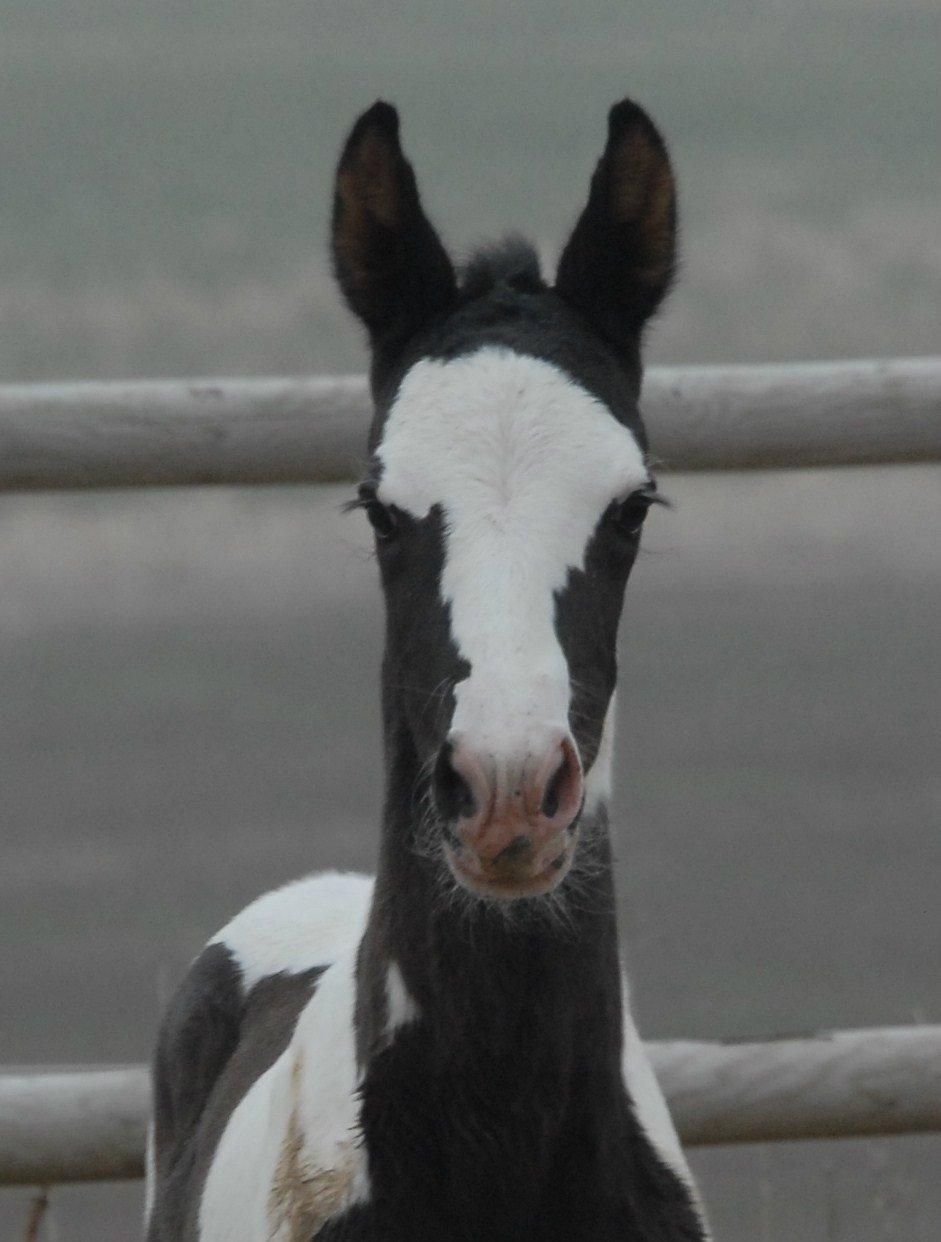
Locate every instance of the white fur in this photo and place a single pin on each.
(523, 462)
(402, 1006)
(316, 921)
(650, 1106)
(304, 924)
(599, 779)
(314, 1079)
(651, 1109)
(234, 1203)
(329, 1103)
(649, 1102)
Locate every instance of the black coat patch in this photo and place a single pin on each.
(213, 1045)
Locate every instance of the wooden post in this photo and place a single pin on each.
(70, 1127)
(89, 1126)
(842, 1084)
(38, 1208)
(264, 431)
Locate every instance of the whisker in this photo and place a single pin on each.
(557, 911)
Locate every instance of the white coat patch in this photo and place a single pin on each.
(402, 1006)
(523, 462)
(599, 781)
(292, 1155)
(304, 924)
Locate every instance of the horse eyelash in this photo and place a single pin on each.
(655, 497)
(365, 496)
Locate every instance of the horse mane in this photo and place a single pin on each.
(512, 262)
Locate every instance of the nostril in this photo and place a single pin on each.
(562, 782)
(517, 848)
(553, 795)
(453, 794)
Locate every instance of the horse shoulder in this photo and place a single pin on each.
(291, 1157)
(229, 1025)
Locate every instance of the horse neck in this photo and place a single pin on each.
(486, 980)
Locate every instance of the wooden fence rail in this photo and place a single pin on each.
(264, 431)
(89, 1126)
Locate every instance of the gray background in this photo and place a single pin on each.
(188, 709)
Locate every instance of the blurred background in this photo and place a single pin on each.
(188, 706)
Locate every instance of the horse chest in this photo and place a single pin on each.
(476, 1154)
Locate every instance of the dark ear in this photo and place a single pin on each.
(389, 262)
(620, 259)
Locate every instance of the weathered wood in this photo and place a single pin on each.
(838, 1085)
(254, 431)
(72, 1127)
(89, 1126)
(165, 433)
(812, 414)
(37, 1214)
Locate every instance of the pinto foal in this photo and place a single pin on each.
(445, 1054)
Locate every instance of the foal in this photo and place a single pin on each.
(446, 1053)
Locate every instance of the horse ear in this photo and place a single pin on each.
(619, 262)
(389, 261)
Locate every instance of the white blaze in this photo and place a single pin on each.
(523, 462)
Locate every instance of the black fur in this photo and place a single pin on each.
(620, 260)
(502, 1113)
(388, 260)
(214, 1043)
(512, 263)
(499, 1114)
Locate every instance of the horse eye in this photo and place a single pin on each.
(381, 519)
(630, 513)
